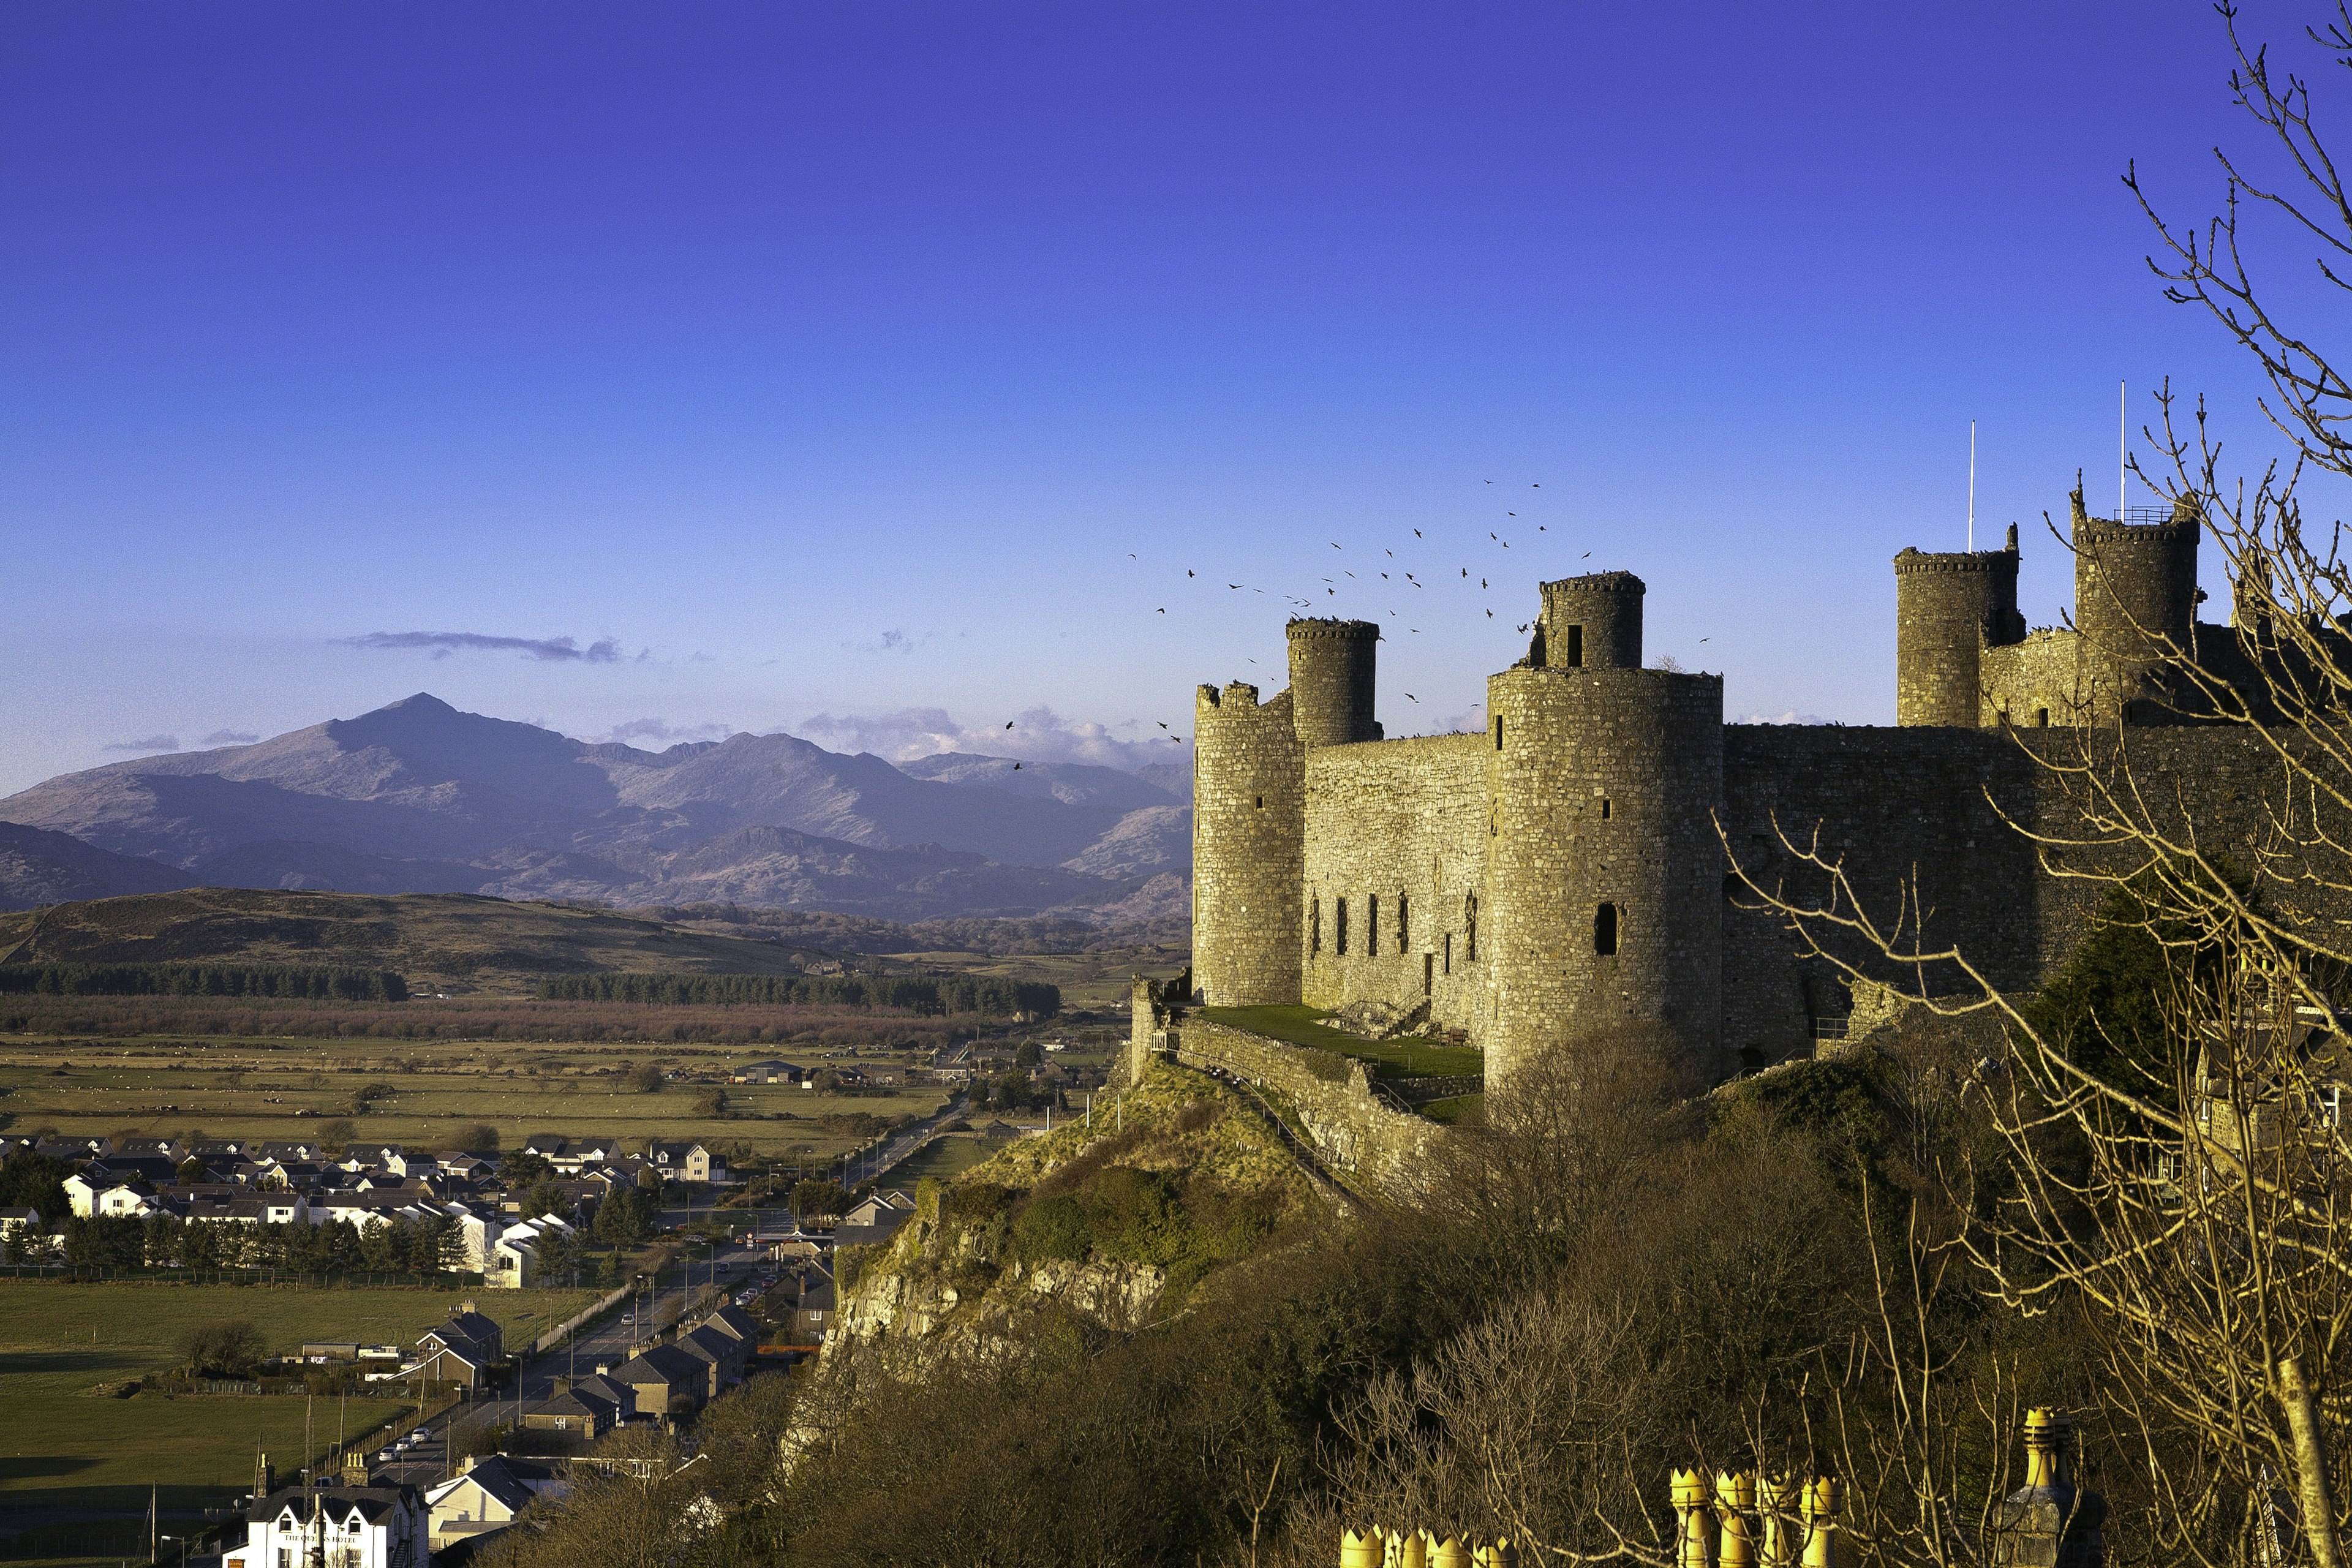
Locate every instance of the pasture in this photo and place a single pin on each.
(64, 1447)
(427, 1094)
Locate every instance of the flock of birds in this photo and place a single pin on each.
(1392, 573)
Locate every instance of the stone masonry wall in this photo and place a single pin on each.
(1946, 608)
(2032, 680)
(1248, 811)
(1402, 823)
(1604, 877)
(1897, 804)
(1354, 1132)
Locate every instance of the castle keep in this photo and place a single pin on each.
(1567, 869)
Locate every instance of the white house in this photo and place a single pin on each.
(336, 1526)
(514, 1255)
(109, 1195)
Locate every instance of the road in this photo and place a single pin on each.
(608, 1342)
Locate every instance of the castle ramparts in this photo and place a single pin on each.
(1573, 866)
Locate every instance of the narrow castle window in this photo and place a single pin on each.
(1470, 926)
(1340, 926)
(2041, 718)
(1372, 926)
(1404, 915)
(1576, 648)
(1314, 926)
(1604, 808)
(1261, 802)
(1498, 731)
(1604, 931)
(1449, 952)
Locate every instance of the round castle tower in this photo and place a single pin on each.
(2135, 595)
(1249, 808)
(1947, 609)
(1604, 901)
(1249, 846)
(1331, 667)
(1592, 622)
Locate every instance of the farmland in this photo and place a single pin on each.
(427, 1094)
(64, 1446)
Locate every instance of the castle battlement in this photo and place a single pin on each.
(1574, 867)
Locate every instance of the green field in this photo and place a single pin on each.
(290, 1089)
(1408, 1057)
(944, 1159)
(441, 942)
(64, 1447)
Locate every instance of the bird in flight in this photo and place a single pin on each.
(1008, 723)
(1586, 556)
(1163, 612)
(1130, 555)
(1016, 767)
(1416, 533)
(1702, 639)
(1510, 514)
(1411, 698)
(1490, 615)
(1189, 572)
(1163, 723)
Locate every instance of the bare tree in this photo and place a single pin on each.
(2182, 1192)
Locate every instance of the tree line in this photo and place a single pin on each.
(917, 993)
(293, 981)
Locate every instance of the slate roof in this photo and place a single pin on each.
(371, 1502)
(664, 1364)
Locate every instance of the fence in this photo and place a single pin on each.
(555, 1336)
(294, 1277)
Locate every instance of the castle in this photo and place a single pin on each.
(1571, 868)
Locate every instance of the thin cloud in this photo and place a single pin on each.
(551, 651)
(152, 743)
(661, 732)
(892, 641)
(1038, 734)
(228, 738)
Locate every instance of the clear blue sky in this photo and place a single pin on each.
(830, 360)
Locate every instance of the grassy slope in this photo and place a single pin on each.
(1405, 1058)
(60, 1443)
(453, 942)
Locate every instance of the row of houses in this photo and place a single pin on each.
(279, 1184)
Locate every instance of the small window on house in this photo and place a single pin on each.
(2041, 718)
(1340, 925)
(1372, 926)
(1404, 930)
(1576, 648)
(1604, 808)
(1605, 930)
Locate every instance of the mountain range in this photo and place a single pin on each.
(420, 797)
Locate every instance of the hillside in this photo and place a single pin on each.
(457, 943)
(38, 867)
(418, 798)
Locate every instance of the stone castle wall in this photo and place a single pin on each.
(1248, 804)
(2036, 682)
(1397, 829)
(1355, 1132)
(1604, 876)
(1917, 818)
(1948, 607)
